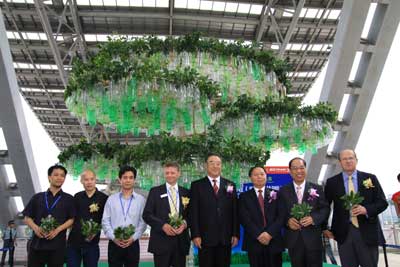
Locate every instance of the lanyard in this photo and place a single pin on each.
(47, 202)
(122, 206)
(177, 198)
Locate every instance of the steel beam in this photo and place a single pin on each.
(14, 124)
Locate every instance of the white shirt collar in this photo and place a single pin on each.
(212, 179)
(174, 186)
(262, 189)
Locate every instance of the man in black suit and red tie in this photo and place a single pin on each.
(303, 237)
(356, 231)
(169, 244)
(213, 216)
(262, 222)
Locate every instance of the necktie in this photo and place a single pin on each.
(261, 203)
(299, 194)
(172, 204)
(215, 187)
(11, 237)
(354, 219)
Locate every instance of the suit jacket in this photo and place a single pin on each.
(251, 218)
(213, 218)
(374, 201)
(156, 213)
(320, 211)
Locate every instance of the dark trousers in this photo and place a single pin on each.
(123, 257)
(88, 254)
(8, 246)
(264, 258)
(216, 256)
(354, 252)
(39, 258)
(172, 258)
(300, 256)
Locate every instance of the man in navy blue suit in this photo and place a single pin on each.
(262, 222)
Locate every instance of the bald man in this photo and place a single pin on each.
(356, 231)
(89, 204)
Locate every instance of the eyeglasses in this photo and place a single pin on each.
(348, 159)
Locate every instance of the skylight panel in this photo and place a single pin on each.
(123, 3)
(11, 35)
(181, 3)
(206, 5)
(288, 13)
(244, 8)
(90, 37)
(162, 3)
(275, 46)
(309, 12)
(137, 3)
(231, 7)
(218, 6)
(109, 3)
(97, 2)
(149, 3)
(193, 4)
(256, 9)
(334, 14)
(83, 2)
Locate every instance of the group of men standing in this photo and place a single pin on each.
(213, 212)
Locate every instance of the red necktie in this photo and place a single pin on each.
(261, 203)
(215, 187)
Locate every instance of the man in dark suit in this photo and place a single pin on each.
(214, 223)
(303, 237)
(262, 222)
(356, 231)
(169, 244)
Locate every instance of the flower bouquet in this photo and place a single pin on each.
(124, 232)
(300, 211)
(175, 220)
(351, 200)
(90, 228)
(48, 224)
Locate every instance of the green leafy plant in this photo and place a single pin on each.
(90, 228)
(124, 232)
(175, 220)
(300, 211)
(351, 200)
(48, 224)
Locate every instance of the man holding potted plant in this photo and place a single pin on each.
(166, 213)
(214, 223)
(83, 241)
(357, 200)
(49, 214)
(123, 223)
(306, 210)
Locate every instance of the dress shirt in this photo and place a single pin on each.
(302, 185)
(212, 179)
(113, 215)
(6, 233)
(177, 200)
(346, 181)
(263, 191)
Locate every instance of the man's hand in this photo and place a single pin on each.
(234, 241)
(180, 229)
(53, 233)
(119, 242)
(358, 210)
(127, 243)
(197, 242)
(306, 221)
(294, 224)
(328, 234)
(168, 230)
(264, 238)
(38, 231)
